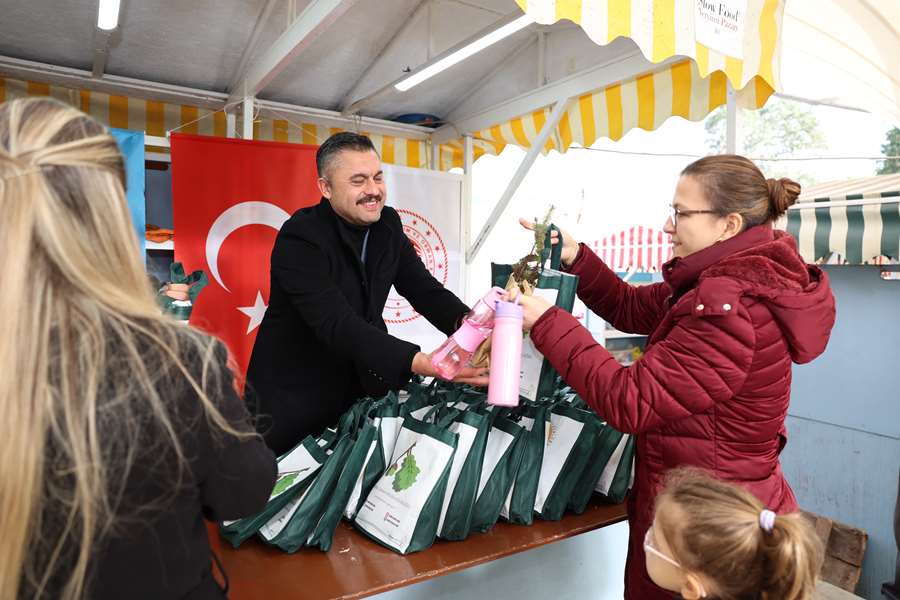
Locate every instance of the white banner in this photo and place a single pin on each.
(430, 207)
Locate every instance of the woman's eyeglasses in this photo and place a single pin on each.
(674, 213)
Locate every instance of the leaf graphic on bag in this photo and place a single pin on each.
(406, 475)
(286, 481)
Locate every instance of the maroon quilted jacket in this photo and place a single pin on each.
(712, 389)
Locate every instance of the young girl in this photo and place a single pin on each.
(711, 539)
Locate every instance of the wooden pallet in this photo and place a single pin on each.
(845, 547)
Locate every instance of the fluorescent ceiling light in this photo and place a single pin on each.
(464, 52)
(108, 16)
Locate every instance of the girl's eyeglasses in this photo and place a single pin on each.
(648, 547)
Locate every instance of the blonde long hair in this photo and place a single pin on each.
(717, 533)
(83, 349)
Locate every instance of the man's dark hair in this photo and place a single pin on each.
(345, 140)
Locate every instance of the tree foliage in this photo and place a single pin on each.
(780, 129)
(891, 147)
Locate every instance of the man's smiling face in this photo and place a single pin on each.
(354, 184)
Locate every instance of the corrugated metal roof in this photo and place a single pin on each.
(841, 189)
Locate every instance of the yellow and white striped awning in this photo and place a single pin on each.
(156, 118)
(666, 28)
(644, 101)
(662, 29)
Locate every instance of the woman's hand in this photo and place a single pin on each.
(570, 244)
(421, 365)
(533, 307)
(176, 291)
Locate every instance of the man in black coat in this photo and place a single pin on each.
(323, 343)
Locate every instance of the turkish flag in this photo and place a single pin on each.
(229, 199)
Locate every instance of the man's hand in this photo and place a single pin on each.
(421, 365)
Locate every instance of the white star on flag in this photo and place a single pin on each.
(255, 312)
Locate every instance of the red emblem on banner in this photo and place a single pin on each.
(430, 247)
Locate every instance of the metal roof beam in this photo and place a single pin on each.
(599, 76)
(560, 107)
(78, 79)
(331, 118)
(109, 84)
(101, 51)
(408, 22)
(318, 16)
(360, 104)
(261, 21)
(504, 62)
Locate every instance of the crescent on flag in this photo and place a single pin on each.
(235, 217)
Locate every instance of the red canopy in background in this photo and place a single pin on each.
(639, 248)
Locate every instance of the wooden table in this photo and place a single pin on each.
(357, 567)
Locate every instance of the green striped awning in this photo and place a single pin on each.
(857, 219)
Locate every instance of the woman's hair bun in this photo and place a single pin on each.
(782, 194)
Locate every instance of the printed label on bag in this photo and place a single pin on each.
(528, 424)
(532, 360)
(497, 443)
(609, 471)
(271, 529)
(392, 510)
(389, 430)
(464, 444)
(420, 413)
(562, 433)
(350, 509)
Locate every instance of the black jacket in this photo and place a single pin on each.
(323, 343)
(159, 549)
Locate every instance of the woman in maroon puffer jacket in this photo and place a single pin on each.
(737, 306)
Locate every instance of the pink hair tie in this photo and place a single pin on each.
(767, 520)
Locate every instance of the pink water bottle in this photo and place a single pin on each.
(482, 314)
(452, 356)
(506, 355)
(456, 351)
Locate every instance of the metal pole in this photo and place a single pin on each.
(536, 146)
(732, 129)
(542, 58)
(230, 125)
(435, 155)
(468, 160)
(248, 118)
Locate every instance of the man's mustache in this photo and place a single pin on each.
(365, 199)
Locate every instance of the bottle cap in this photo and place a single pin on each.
(493, 296)
(469, 337)
(512, 310)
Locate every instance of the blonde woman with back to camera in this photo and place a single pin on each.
(736, 308)
(121, 429)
